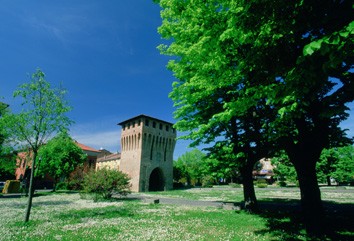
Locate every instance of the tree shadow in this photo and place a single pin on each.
(102, 213)
(284, 220)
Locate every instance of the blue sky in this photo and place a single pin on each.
(103, 52)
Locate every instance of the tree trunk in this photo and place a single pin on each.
(311, 202)
(328, 178)
(249, 194)
(31, 188)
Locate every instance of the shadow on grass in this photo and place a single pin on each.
(284, 220)
(102, 213)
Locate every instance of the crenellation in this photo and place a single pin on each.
(147, 153)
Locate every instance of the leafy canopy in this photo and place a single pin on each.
(60, 156)
(42, 115)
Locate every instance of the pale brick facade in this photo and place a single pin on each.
(109, 161)
(147, 153)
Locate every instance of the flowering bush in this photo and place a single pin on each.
(104, 183)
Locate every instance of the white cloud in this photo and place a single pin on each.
(109, 140)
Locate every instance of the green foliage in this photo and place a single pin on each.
(61, 186)
(284, 170)
(76, 179)
(281, 184)
(60, 156)
(344, 167)
(262, 76)
(261, 183)
(7, 156)
(190, 167)
(43, 114)
(103, 183)
(208, 181)
(337, 163)
(7, 165)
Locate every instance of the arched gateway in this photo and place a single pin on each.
(147, 153)
(156, 180)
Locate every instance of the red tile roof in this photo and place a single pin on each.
(86, 148)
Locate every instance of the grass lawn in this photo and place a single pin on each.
(67, 217)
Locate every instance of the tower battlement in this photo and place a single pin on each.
(147, 153)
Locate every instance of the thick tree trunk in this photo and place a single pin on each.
(250, 200)
(311, 202)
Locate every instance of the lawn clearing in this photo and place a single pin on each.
(67, 217)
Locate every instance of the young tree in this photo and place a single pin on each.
(191, 166)
(43, 115)
(59, 157)
(291, 59)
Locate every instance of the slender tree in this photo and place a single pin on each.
(43, 115)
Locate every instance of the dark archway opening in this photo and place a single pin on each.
(156, 180)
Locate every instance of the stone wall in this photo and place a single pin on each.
(147, 149)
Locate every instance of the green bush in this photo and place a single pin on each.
(261, 183)
(281, 184)
(61, 186)
(104, 183)
(207, 181)
(76, 179)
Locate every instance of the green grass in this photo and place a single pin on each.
(65, 216)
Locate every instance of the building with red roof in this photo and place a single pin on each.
(24, 161)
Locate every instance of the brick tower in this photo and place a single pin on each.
(147, 153)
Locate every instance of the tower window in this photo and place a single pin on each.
(160, 126)
(166, 127)
(147, 122)
(154, 124)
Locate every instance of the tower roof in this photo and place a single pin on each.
(143, 116)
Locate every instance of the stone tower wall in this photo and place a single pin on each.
(131, 152)
(147, 144)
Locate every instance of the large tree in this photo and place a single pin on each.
(42, 115)
(290, 59)
(59, 157)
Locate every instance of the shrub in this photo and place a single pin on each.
(207, 181)
(261, 183)
(76, 179)
(104, 183)
(61, 186)
(281, 184)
